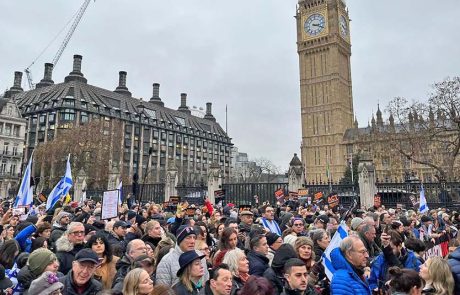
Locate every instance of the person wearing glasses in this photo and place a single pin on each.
(203, 247)
(80, 279)
(349, 261)
(68, 245)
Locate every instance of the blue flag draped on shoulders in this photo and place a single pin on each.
(340, 234)
(25, 194)
(62, 188)
(423, 205)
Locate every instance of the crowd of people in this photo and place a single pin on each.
(228, 250)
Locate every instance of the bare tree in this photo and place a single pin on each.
(428, 133)
(93, 147)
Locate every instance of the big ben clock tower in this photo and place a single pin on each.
(324, 48)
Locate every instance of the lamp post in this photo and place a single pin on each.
(140, 110)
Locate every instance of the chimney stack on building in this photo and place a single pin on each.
(156, 95)
(183, 104)
(76, 74)
(121, 88)
(47, 76)
(208, 115)
(16, 84)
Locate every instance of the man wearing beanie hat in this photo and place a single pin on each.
(274, 241)
(275, 273)
(167, 269)
(39, 261)
(59, 227)
(46, 284)
(356, 223)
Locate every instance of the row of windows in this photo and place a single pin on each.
(8, 129)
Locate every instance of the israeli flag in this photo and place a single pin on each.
(423, 205)
(62, 188)
(120, 191)
(340, 234)
(25, 194)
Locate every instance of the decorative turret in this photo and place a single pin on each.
(355, 124)
(392, 122)
(76, 74)
(156, 95)
(47, 76)
(379, 117)
(411, 121)
(431, 117)
(121, 88)
(373, 122)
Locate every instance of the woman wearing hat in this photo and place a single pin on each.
(190, 273)
(47, 284)
(304, 249)
(39, 261)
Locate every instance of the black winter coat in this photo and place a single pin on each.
(454, 263)
(276, 280)
(237, 285)
(180, 289)
(66, 252)
(123, 266)
(258, 263)
(92, 288)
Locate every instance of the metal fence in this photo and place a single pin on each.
(152, 192)
(243, 193)
(345, 192)
(437, 194)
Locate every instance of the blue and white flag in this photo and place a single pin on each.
(62, 188)
(120, 191)
(340, 234)
(423, 205)
(25, 195)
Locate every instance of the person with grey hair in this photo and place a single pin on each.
(368, 233)
(321, 240)
(349, 261)
(238, 265)
(68, 245)
(134, 249)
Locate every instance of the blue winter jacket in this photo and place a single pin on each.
(454, 263)
(379, 269)
(345, 280)
(23, 238)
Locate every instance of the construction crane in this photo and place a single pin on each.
(57, 56)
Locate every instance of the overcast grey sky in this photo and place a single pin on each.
(240, 53)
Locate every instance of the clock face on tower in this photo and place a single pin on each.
(343, 26)
(315, 24)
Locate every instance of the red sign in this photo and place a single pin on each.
(333, 200)
(279, 194)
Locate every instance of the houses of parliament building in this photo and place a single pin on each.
(330, 133)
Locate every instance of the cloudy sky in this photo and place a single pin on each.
(239, 53)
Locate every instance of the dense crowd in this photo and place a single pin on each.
(227, 250)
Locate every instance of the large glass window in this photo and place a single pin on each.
(67, 115)
(84, 117)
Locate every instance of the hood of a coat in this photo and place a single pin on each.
(282, 255)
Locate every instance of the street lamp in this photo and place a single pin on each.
(140, 110)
